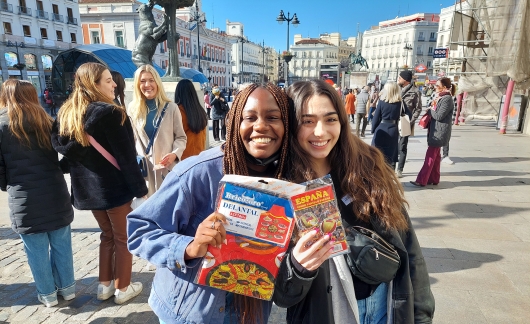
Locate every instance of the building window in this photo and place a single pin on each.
(432, 36)
(390, 65)
(430, 50)
(7, 28)
(118, 34)
(43, 33)
(95, 36)
(27, 30)
(73, 37)
(441, 41)
(59, 35)
(429, 64)
(443, 25)
(31, 61)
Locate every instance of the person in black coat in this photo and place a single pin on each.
(39, 200)
(218, 103)
(385, 122)
(96, 137)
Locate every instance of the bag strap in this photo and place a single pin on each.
(402, 108)
(103, 152)
(152, 139)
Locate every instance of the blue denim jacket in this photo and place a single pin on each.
(162, 227)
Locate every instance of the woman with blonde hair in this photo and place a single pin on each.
(163, 145)
(29, 167)
(385, 122)
(96, 137)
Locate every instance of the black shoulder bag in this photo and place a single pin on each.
(371, 259)
(142, 159)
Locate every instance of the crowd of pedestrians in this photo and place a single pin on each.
(297, 135)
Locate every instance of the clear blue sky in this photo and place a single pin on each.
(316, 17)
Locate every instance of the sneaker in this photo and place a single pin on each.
(150, 267)
(399, 174)
(134, 289)
(67, 297)
(105, 292)
(49, 301)
(447, 160)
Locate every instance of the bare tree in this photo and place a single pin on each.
(170, 7)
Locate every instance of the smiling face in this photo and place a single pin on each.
(148, 85)
(261, 128)
(106, 85)
(319, 131)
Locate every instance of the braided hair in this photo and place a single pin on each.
(234, 158)
(234, 162)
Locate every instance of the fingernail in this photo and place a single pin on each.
(329, 236)
(315, 231)
(226, 242)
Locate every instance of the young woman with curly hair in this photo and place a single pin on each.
(318, 290)
(174, 227)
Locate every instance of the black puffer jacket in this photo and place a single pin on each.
(309, 299)
(96, 183)
(39, 200)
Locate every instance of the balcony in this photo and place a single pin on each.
(57, 17)
(391, 55)
(367, 45)
(41, 14)
(399, 41)
(379, 56)
(430, 53)
(373, 57)
(385, 56)
(6, 7)
(393, 42)
(432, 39)
(24, 11)
(387, 43)
(421, 39)
(71, 20)
(419, 53)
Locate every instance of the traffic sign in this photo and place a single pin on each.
(420, 68)
(441, 53)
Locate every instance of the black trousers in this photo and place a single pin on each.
(402, 152)
(216, 129)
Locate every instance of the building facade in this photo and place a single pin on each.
(32, 35)
(310, 53)
(117, 22)
(400, 43)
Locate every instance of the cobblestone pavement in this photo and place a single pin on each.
(18, 296)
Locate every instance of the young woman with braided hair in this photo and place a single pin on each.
(174, 227)
(315, 289)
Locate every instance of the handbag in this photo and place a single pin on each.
(371, 259)
(425, 120)
(225, 106)
(404, 123)
(141, 160)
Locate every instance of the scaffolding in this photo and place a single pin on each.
(490, 38)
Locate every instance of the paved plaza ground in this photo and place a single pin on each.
(474, 228)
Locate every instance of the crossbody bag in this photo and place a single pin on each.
(142, 159)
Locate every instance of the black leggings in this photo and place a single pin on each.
(216, 129)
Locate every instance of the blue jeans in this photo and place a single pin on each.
(51, 262)
(372, 310)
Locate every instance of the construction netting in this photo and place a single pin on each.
(494, 38)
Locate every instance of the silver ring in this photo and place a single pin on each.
(213, 225)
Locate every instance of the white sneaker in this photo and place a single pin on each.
(399, 174)
(48, 301)
(134, 289)
(105, 292)
(447, 160)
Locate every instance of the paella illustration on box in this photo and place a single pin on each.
(260, 224)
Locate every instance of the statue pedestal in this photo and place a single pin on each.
(169, 85)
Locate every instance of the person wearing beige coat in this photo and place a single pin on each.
(170, 140)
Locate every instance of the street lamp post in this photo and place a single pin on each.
(263, 52)
(242, 56)
(19, 66)
(280, 19)
(199, 19)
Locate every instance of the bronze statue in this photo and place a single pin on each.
(358, 59)
(149, 35)
(170, 7)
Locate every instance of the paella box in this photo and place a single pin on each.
(317, 209)
(260, 223)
